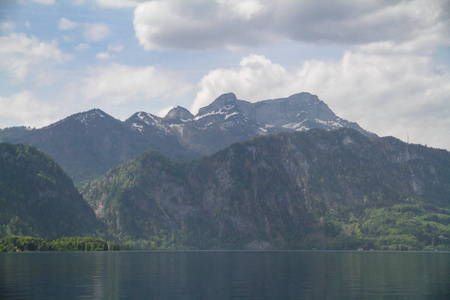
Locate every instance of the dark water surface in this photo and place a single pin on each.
(225, 275)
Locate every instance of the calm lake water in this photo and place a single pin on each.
(225, 275)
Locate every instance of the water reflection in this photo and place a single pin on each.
(225, 275)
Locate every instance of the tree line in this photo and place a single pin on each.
(27, 243)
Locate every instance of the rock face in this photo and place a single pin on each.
(178, 115)
(38, 199)
(290, 190)
(228, 120)
(298, 112)
(88, 144)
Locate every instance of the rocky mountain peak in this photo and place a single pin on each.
(304, 98)
(177, 114)
(223, 100)
(86, 118)
(90, 115)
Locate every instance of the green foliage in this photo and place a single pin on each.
(397, 227)
(38, 199)
(316, 189)
(27, 243)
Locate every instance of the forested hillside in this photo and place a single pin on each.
(38, 199)
(314, 189)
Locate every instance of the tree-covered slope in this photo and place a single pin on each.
(38, 199)
(337, 189)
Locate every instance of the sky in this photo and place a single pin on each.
(384, 64)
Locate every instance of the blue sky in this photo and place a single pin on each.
(383, 64)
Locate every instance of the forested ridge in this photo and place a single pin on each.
(40, 208)
(307, 190)
(38, 199)
(315, 189)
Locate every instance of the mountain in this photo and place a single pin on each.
(38, 199)
(216, 126)
(228, 120)
(298, 112)
(178, 115)
(158, 135)
(88, 144)
(328, 190)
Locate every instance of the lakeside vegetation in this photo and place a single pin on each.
(27, 243)
(402, 227)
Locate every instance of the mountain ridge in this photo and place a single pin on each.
(87, 144)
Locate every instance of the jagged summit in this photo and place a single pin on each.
(298, 112)
(228, 99)
(143, 122)
(85, 118)
(92, 114)
(178, 114)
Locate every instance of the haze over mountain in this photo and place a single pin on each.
(88, 144)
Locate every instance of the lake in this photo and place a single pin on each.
(225, 275)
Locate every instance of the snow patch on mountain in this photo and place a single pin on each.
(90, 115)
(138, 127)
(333, 124)
(152, 121)
(178, 128)
(222, 111)
(230, 115)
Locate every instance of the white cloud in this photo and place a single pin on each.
(82, 47)
(94, 32)
(389, 95)
(66, 24)
(47, 2)
(163, 112)
(117, 84)
(78, 2)
(105, 55)
(241, 9)
(179, 24)
(116, 48)
(24, 109)
(119, 3)
(20, 55)
(256, 78)
(7, 26)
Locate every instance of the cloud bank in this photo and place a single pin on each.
(117, 84)
(25, 109)
(205, 24)
(21, 55)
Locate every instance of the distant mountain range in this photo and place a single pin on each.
(88, 144)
